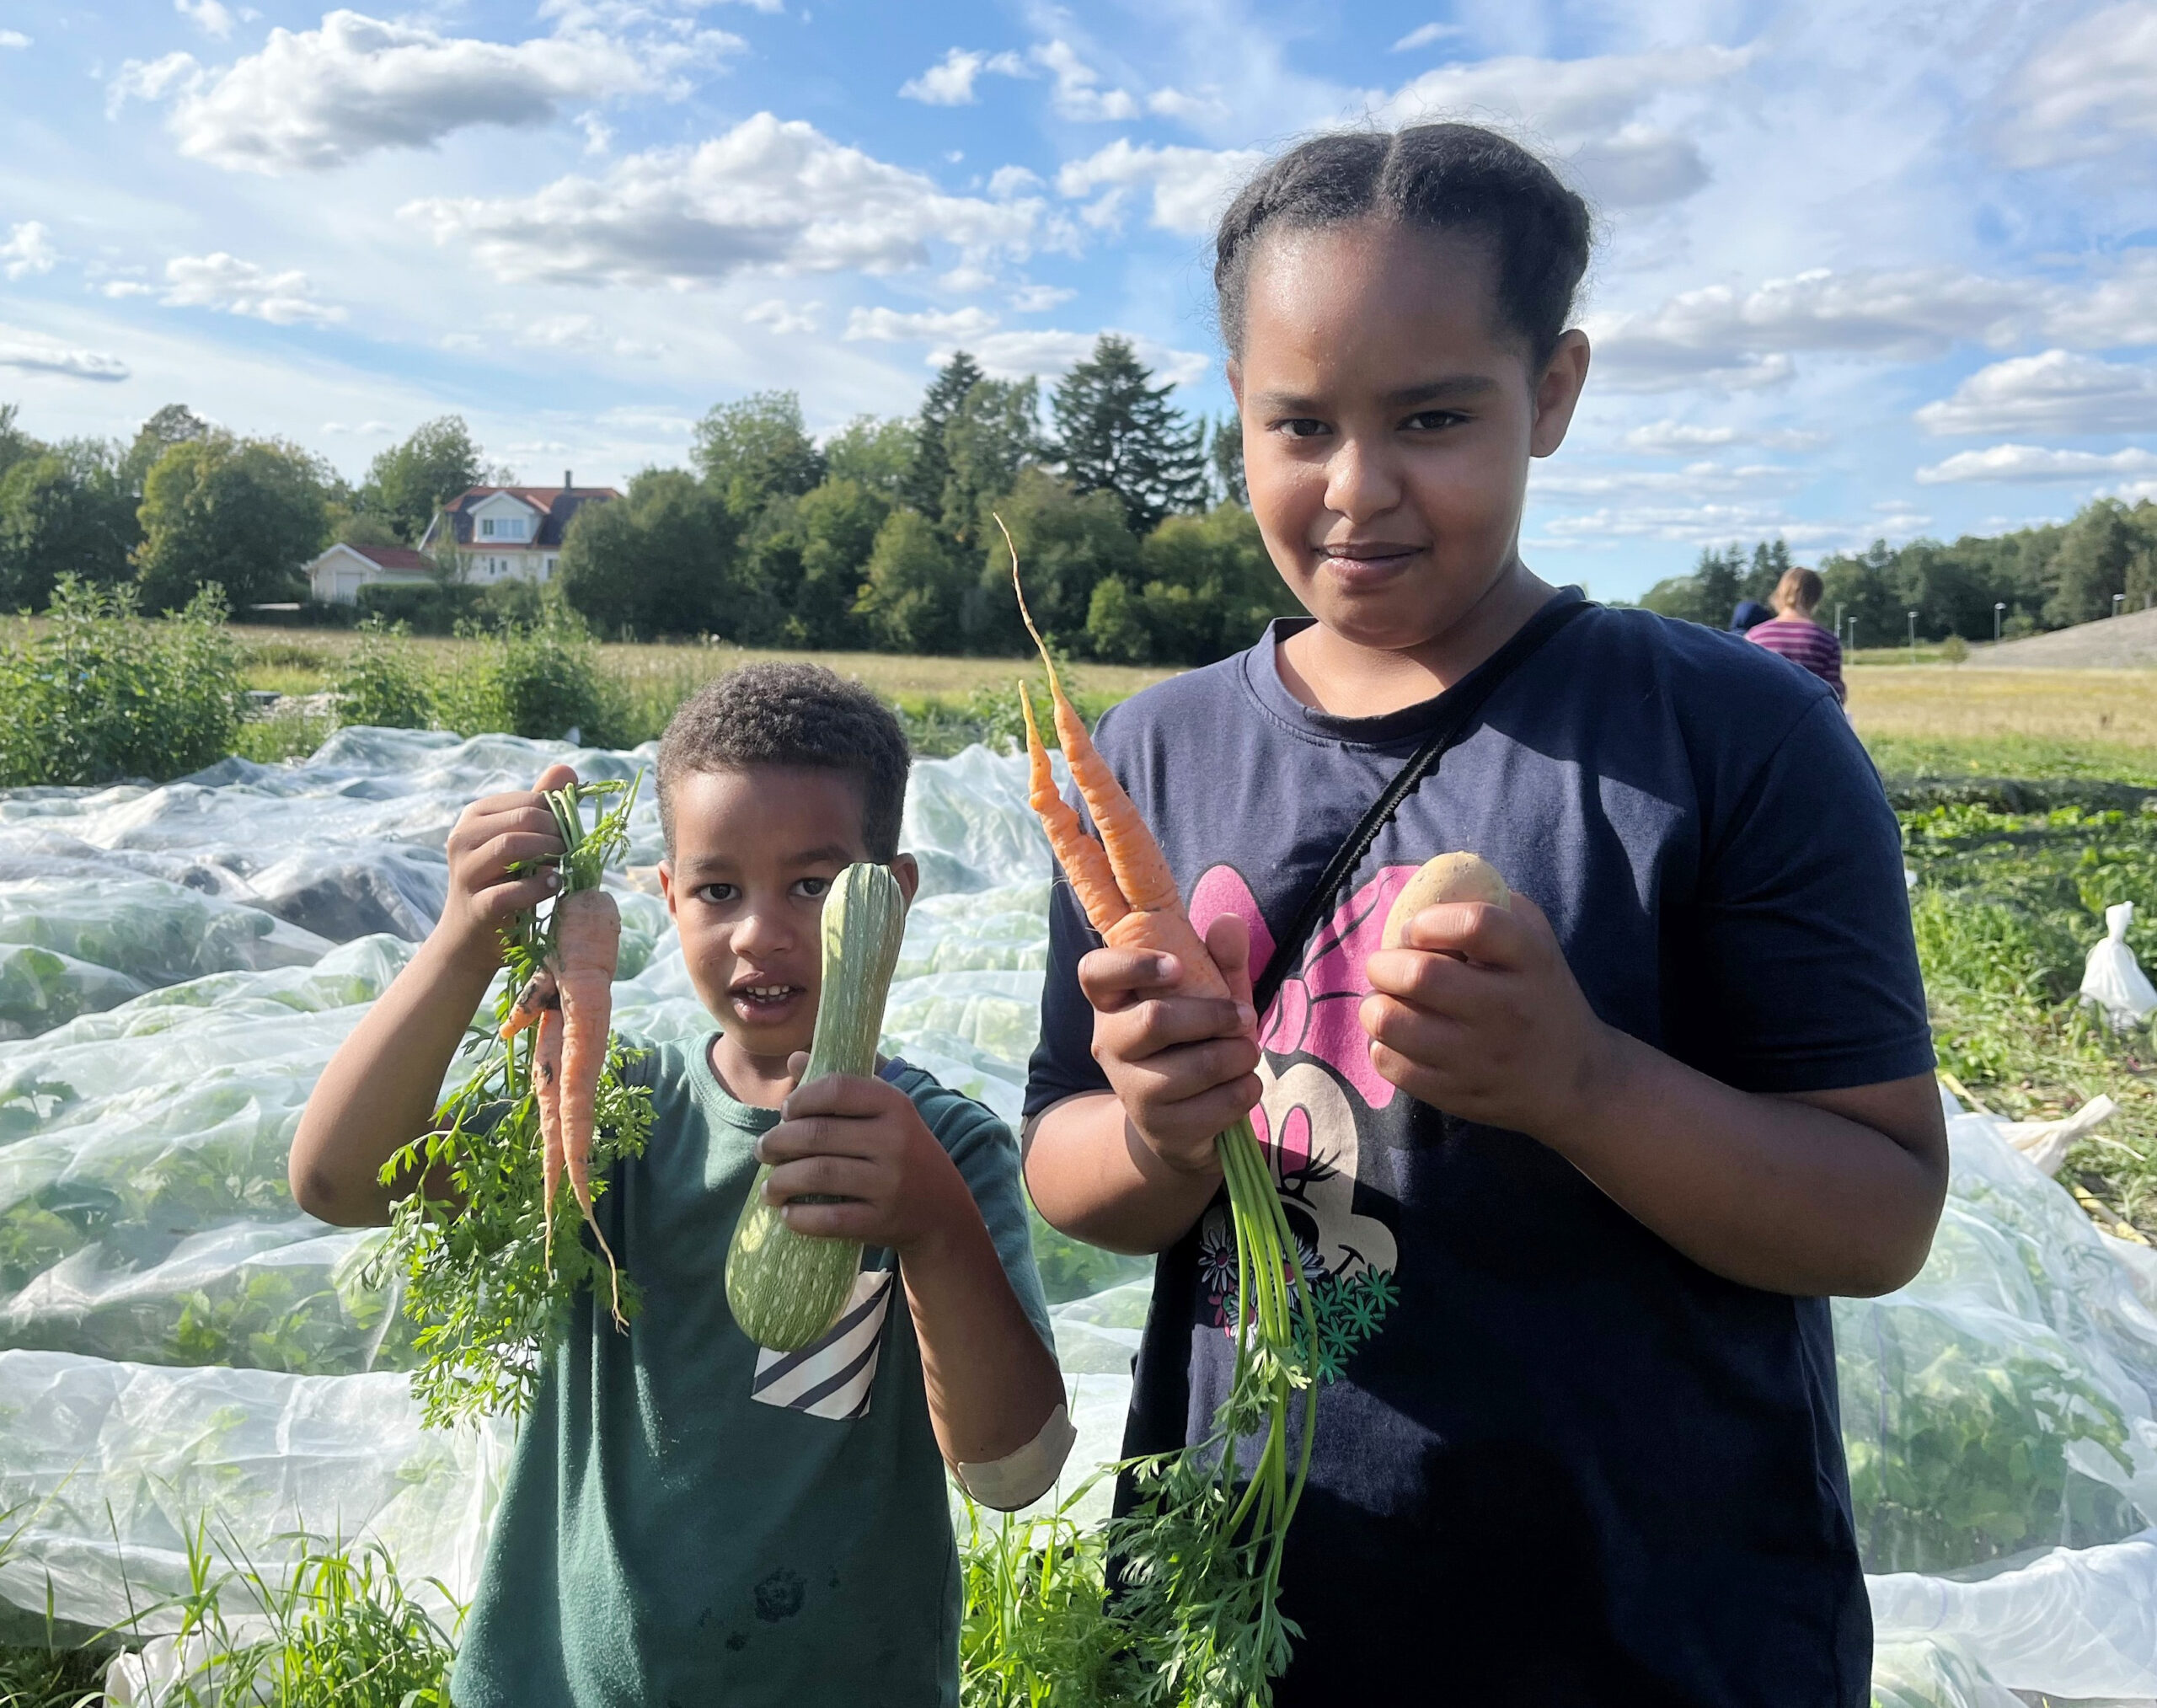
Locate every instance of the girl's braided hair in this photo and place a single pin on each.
(1451, 178)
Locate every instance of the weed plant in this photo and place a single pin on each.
(2006, 906)
(384, 681)
(96, 694)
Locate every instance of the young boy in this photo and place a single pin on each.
(689, 1518)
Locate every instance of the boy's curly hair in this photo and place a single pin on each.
(798, 714)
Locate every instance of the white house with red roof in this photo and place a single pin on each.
(336, 577)
(503, 533)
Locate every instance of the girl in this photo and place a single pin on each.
(1572, 1180)
(1796, 634)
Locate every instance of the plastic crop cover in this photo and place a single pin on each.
(180, 1348)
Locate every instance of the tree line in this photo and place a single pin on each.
(2025, 581)
(1129, 517)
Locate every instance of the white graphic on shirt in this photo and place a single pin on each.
(833, 1377)
(1309, 1129)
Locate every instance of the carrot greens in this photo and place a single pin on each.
(481, 1283)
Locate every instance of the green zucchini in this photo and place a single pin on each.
(785, 1288)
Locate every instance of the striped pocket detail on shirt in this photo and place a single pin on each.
(833, 1377)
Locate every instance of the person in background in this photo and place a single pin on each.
(1796, 634)
(1749, 614)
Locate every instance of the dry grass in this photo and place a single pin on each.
(301, 661)
(1945, 702)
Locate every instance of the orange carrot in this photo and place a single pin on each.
(537, 994)
(587, 946)
(1123, 880)
(547, 1087)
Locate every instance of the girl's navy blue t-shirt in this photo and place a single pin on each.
(1557, 1461)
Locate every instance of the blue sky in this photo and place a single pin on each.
(1867, 270)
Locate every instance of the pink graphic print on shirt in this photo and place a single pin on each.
(1307, 1120)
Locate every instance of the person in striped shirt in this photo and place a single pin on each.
(1796, 634)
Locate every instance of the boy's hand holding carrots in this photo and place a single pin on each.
(863, 1141)
(489, 837)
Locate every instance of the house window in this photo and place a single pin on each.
(486, 527)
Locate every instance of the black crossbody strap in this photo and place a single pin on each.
(1458, 717)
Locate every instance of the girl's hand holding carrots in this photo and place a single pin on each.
(1184, 1067)
(862, 1141)
(490, 836)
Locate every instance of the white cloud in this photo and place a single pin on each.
(1588, 109)
(777, 314)
(1023, 354)
(151, 79)
(364, 430)
(2089, 94)
(1719, 336)
(1035, 299)
(890, 326)
(208, 16)
(117, 288)
(1205, 106)
(1699, 524)
(14, 38)
(230, 285)
(1008, 181)
(950, 82)
(2054, 392)
(1191, 186)
(1078, 94)
(1695, 478)
(2034, 463)
(1672, 436)
(571, 332)
(2120, 308)
(32, 352)
(28, 249)
(965, 280)
(311, 100)
(781, 197)
(1424, 34)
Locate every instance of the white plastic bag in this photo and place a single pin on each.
(2112, 981)
(2046, 1143)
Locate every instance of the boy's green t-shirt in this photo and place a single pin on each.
(689, 1518)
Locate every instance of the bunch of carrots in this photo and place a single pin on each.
(1199, 1557)
(485, 1282)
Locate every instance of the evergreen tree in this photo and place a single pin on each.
(756, 449)
(1227, 456)
(407, 484)
(932, 464)
(1116, 432)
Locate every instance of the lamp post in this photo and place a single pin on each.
(1913, 637)
(2119, 600)
(1999, 611)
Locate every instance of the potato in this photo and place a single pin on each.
(1446, 877)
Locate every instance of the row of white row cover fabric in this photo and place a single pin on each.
(180, 1348)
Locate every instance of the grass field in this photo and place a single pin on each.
(1949, 720)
